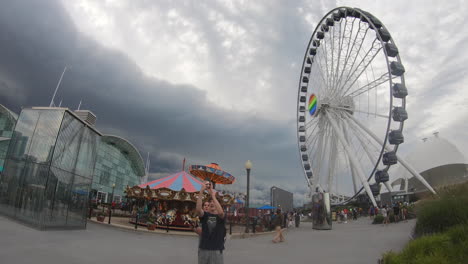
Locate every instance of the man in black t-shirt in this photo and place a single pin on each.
(210, 249)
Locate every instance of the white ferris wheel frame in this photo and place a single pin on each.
(327, 129)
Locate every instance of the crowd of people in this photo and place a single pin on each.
(348, 213)
(395, 212)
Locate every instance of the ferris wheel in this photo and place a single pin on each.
(351, 105)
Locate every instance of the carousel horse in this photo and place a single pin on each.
(189, 220)
(171, 215)
(160, 218)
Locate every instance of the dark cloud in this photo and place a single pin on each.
(37, 39)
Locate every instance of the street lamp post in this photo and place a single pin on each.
(110, 205)
(248, 166)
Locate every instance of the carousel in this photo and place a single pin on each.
(169, 202)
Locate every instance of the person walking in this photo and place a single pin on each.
(213, 229)
(371, 212)
(277, 223)
(290, 219)
(297, 219)
(384, 213)
(396, 212)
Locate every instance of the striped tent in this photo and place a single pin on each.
(175, 182)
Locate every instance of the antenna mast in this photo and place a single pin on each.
(56, 88)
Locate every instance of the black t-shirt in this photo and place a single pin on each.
(213, 232)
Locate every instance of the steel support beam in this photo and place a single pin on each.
(401, 160)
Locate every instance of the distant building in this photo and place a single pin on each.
(281, 199)
(437, 160)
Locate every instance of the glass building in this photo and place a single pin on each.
(118, 163)
(49, 169)
(7, 124)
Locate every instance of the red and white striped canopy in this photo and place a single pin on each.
(176, 182)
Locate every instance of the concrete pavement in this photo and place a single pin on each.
(355, 242)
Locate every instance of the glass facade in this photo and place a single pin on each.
(118, 163)
(49, 169)
(7, 124)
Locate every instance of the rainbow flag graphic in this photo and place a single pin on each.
(312, 104)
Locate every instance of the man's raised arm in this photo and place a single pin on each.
(217, 205)
(199, 208)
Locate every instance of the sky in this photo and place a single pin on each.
(216, 81)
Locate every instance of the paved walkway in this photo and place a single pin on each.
(355, 242)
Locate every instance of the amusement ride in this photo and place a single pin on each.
(351, 106)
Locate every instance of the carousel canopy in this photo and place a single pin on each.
(175, 182)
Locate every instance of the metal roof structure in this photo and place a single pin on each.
(431, 153)
(8, 112)
(128, 149)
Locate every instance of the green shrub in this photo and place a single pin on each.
(443, 229)
(378, 219)
(391, 218)
(450, 247)
(441, 214)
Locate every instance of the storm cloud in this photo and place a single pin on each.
(214, 81)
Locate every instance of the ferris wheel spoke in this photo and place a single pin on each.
(332, 51)
(335, 39)
(366, 147)
(359, 111)
(340, 48)
(348, 161)
(310, 123)
(360, 137)
(354, 51)
(312, 135)
(334, 162)
(347, 35)
(363, 64)
(325, 56)
(319, 156)
(371, 85)
(372, 114)
(321, 74)
(355, 163)
(402, 161)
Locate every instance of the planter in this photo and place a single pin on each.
(100, 218)
(151, 227)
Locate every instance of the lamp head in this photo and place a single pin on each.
(248, 164)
